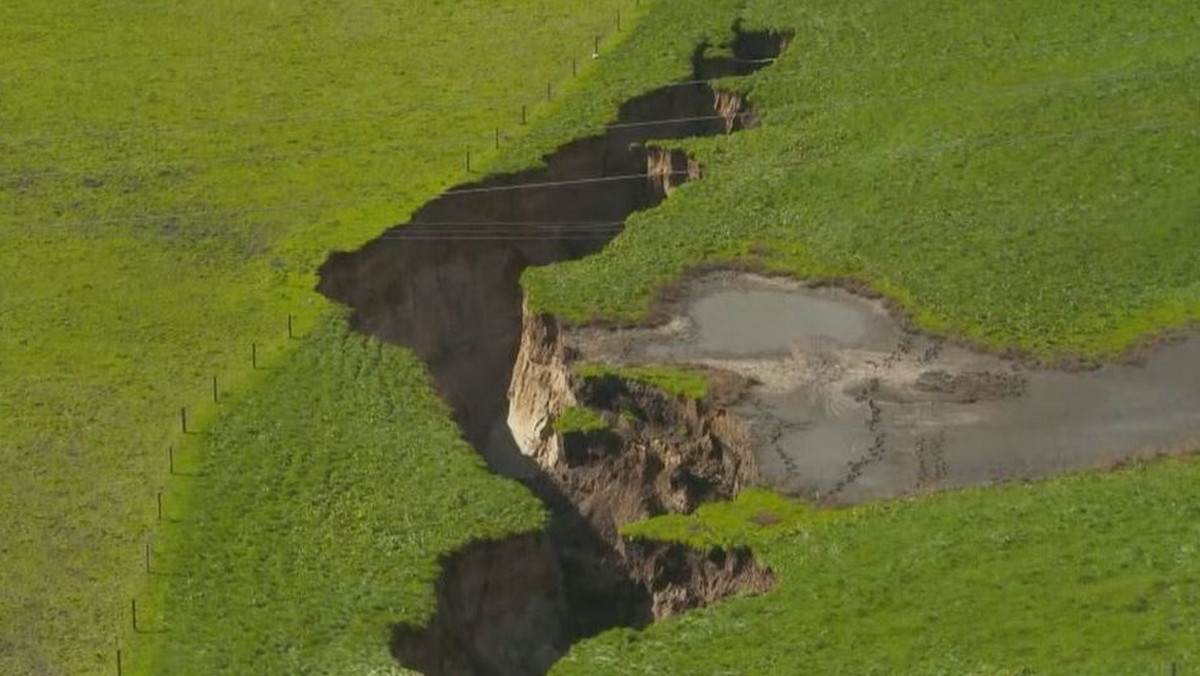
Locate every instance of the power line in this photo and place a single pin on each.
(508, 226)
(1107, 77)
(434, 141)
(959, 144)
(427, 230)
(678, 120)
(502, 237)
(502, 223)
(310, 205)
(559, 184)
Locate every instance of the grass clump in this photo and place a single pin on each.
(1094, 574)
(676, 380)
(748, 519)
(579, 420)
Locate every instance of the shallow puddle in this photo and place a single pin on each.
(851, 407)
(765, 321)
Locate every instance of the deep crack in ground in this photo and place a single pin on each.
(447, 286)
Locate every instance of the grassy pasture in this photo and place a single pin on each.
(1019, 173)
(314, 514)
(1085, 574)
(1024, 174)
(169, 180)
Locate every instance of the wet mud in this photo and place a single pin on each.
(850, 407)
(446, 285)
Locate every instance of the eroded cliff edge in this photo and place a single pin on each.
(660, 453)
(446, 285)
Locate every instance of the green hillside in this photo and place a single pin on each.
(315, 512)
(1020, 174)
(1024, 174)
(170, 179)
(1088, 574)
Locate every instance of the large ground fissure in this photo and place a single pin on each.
(447, 286)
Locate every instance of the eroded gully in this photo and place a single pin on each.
(447, 286)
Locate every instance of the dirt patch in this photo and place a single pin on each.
(667, 455)
(681, 578)
(969, 387)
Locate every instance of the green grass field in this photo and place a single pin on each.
(1021, 174)
(309, 527)
(1024, 174)
(1086, 574)
(169, 182)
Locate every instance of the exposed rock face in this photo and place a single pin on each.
(667, 168)
(501, 611)
(663, 453)
(670, 455)
(540, 390)
(732, 109)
